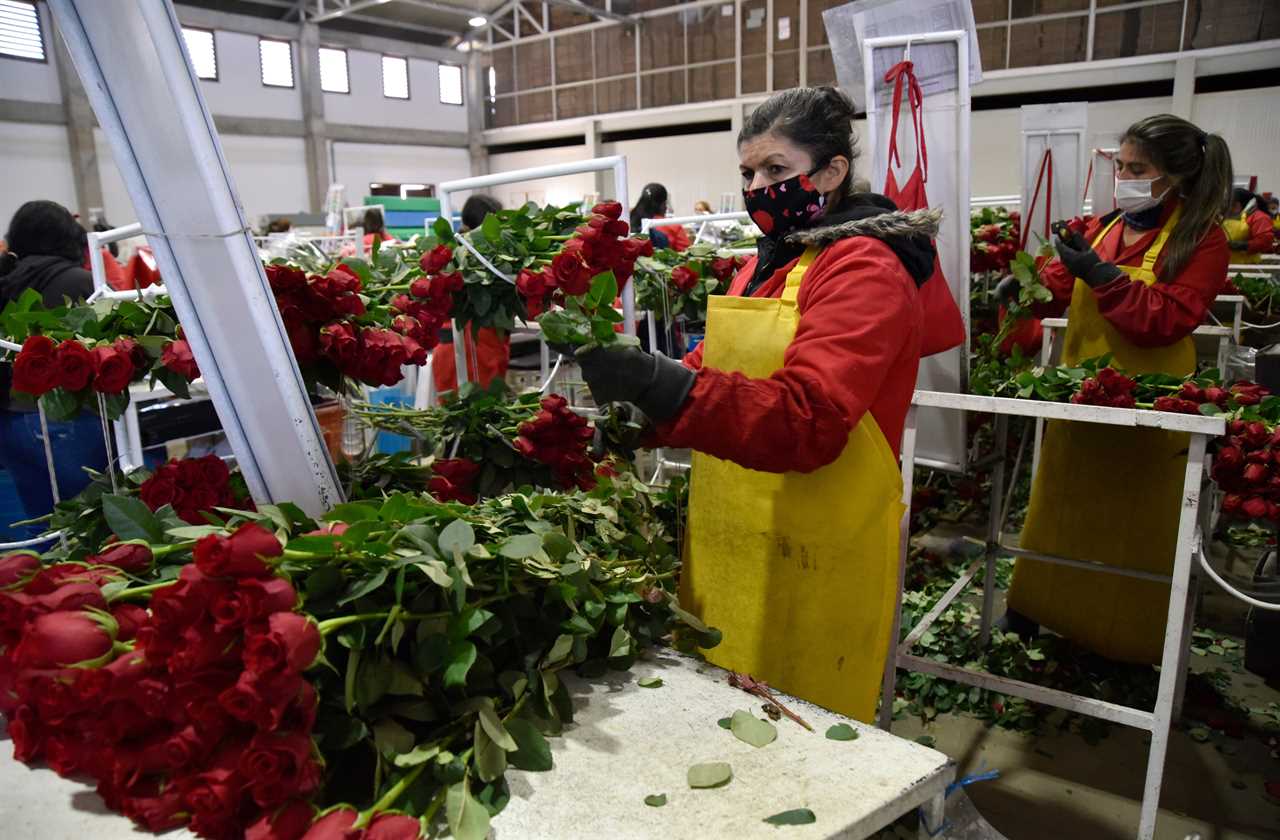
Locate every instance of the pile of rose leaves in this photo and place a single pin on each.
(376, 673)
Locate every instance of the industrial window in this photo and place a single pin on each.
(395, 77)
(20, 35)
(333, 71)
(276, 58)
(450, 84)
(204, 55)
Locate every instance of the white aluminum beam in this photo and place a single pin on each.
(132, 59)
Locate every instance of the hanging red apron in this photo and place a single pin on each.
(943, 324)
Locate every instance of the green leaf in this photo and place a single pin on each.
(521, 546)
(443, 229)
(130, 519)
(725, 723)
(391, 738)
(650, 682)
(437, 572)
(1199, 734)
(493, 725)
(656, 800)
(467, 622)
(621, 643)
(751, 729)
(842, 732)
(490, 757)
(457, 538)
(797, 816)
(60, 405)
(712, 774)
(532, 750)
(559, 650)
(352, 512)
(193, 532)
(461, 656)
(359, 589)
(491, 227)
(468, 819)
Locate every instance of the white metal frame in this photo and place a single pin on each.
(132, 59)
(97, 266)
(1173, 659)
(951, 444)
(617, 164)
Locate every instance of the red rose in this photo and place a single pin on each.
(214, 469)
(289, 822)
(436, 259)
(1114, 382)
(572, 275)
(177, 357)
(75, 366)
(239, 555)
(617, 228)
(382, 354)
(1256, 434)
(684, 278)
(722, 268)
(531, 284)
(1229, 457)
(554, 402)
(15, 566)
(71, 596)
(1254, 507)
(159, 490)
(292, 642)
(60, 640)
(333, 825)
(129, 618)
(393, 827)
(285, 277)
(303, 341)
(525, 446)
(277, 768)
(35, 371)
(339, 344)
(112, 370)
(329, 529)
(460, 471)
(128, 557)
(445, 490)
(156, 813)
(54, 577)
(421, 287)
(608, 209)
(250, 600)
(1247, 393)
(262, 700)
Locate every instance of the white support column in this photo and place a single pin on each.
(1184, 87)
(132, 60)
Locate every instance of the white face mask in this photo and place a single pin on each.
(1134, 195)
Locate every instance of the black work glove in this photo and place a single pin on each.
(1083, 262)
(651, 382)
(1239, 244)
(1007, 291)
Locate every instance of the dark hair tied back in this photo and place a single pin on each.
(817, 119)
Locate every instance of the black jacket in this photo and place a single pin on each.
(54, 278)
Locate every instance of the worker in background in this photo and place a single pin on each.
(489, 353)
(1248, 228)
(374, 226)
(280, 225)
(702, 208)
(46, 248)
(1273, 210)
(795, 405)
(114, 272)
(653, 204)
(1135, 285)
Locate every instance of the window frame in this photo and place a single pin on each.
(293, 78)
(408, 86)
(213, 38)
(346, 60)
(462, 85)
(40, 33)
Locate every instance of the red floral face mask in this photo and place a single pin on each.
(780, 208)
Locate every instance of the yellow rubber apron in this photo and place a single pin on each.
(1237, 230)
(799, 571)
(1108, 494)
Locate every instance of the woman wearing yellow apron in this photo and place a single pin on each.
(1137, 283)
(1248, 228)
(794, 405)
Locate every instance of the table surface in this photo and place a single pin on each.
(626, 742)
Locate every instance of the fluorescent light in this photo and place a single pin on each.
(478, 20)
(463, 46)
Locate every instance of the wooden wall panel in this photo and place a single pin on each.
(504, 69)
(616, 95)
(575, 101)
(822, 70)
(711, 82)
(533, 66)
(786, 70)
(662, 42)
(573, 57)
(659, 89)
(615, 51)
(755, 71)
(535, 107)
(710, 33)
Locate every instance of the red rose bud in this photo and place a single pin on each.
(75, 366)
(1256, 435)
(1229, 457)
(1236, 427)
(291, 642)
(722, 268)
(525, 446)
(1114, 382)
(1192, 391)
(1176, 405)
(1217, 396)
(62, 639)
(531, 284)
(1256, 473)
(1248, 393)
(1254, 507)
(288, 822)
(1231, 504)
(35, 371)
(16, 566)
(332, 826)
(279, 767)
(684, 278)
(112, 370)
(129, 619)
(393, 827)
(608, 209)
(252, 599)
(328, 529)
(177, 357)
(238, 555)
(436, 259)
(128, 557)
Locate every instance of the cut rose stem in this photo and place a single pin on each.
(751, 685)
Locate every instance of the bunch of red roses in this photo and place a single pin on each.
(454, 480)
(106, 368)
(194, 711)
(426, 309)
(193, 486)
(1191, 396)
(1246, 468)
(1108, 388)
(601, 245)
(559, 438)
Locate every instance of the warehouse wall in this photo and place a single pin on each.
(366, 105)
(239, 90)
(563, 190)
(34, 163)
(356, 165)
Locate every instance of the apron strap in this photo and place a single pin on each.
(1046, 168)
(1152, 254)
(796, 275)
(896, 75)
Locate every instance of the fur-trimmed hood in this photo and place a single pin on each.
(882, 226)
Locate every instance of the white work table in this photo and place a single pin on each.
(626, 743)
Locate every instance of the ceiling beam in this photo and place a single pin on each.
(323, 11)
(602, 14)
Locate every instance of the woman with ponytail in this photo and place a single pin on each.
(1135, 285)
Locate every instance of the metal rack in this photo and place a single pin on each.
(1174, 659)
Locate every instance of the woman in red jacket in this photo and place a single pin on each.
(1136, 284)
(1248, 228)
(794, 405)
